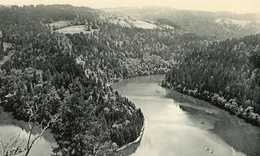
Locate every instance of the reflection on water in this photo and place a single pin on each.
(10, 128)
(177, 124)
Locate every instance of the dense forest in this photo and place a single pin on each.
(226, 73)
(68, 76)
(43, 75)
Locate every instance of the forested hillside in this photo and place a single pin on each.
(67, 76)
(59, 62)
(43, 76)
(45, 14)
(226, 73)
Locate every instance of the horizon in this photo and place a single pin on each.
(240, 7)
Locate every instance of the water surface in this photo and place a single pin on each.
(180, 125)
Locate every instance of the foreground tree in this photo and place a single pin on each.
(12, 146)
(38, 126)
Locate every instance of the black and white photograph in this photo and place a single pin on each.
(129, 78)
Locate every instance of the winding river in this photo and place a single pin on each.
(180, 125)
(175, 125)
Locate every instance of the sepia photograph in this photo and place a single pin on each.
(129, 78)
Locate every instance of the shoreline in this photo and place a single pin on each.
(218, 101)
(14, 116)
(138, 139)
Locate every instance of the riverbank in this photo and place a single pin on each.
(134, 142)
(230, 105)
(178, 124)
(114, 109)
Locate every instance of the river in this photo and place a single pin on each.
(180, 125)
(175, 125)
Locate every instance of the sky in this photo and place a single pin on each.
(239, 6)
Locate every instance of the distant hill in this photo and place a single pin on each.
(44, 13)
(220, 24)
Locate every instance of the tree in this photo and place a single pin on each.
(11, 147)
(39, 126)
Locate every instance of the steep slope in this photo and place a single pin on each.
(225, 73)
(64, 60)
(43, 75)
